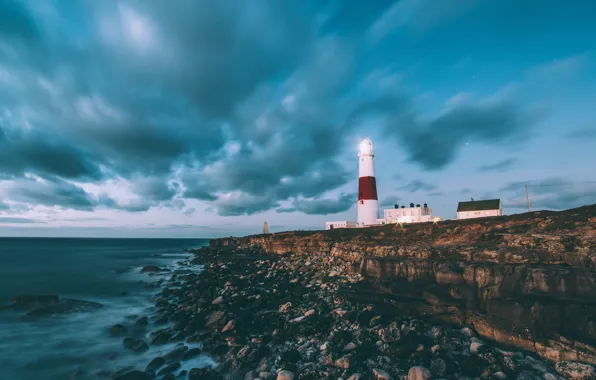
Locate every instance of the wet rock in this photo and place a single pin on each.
(419, 373)
(574, 370)
(64, 306)
(151, 269)
(191, 353)
(35, 301)
(117, 330)
(203, 374)
(134, 375)
(251, 375)
(177, 353)
(136, 345)
(160, 337)
(217, 301)
(169, 368)
(141, 321)
(155, 364)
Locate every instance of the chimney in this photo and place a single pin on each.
(411, 205)
(396, 206)
(417, 205)
(425, 205)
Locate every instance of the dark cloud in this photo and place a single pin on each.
(500, 166)
(389, 201)
(246, 104)
(465, 191)
(43, 154)
(435, 143)
(244, 204)
(417, 185)
(189, 212)
(322, 206)
(16, 22)
(435, 194)
(550, 193)
(586, 134)
(8, 219)
(48, 193)
(4, 206)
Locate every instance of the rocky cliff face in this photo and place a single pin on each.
(527, 280)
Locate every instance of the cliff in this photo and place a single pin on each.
(527, 280)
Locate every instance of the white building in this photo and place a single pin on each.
(412, 214)
(479, 209)
(340, 224)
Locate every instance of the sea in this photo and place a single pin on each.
(79, 345)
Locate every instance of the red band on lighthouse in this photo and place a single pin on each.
(367, 188)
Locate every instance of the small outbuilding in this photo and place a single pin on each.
(479, 209)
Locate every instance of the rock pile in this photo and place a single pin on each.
(285, 318)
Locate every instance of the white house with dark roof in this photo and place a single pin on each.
(479, 209)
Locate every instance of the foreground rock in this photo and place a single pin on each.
(43, 306)
(525, 280)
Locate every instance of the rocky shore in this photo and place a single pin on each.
(526, 280)
(291, 316)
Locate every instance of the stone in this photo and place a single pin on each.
(285, 375)
(134, 375)
(379, 374)
(251, 375)
(117, 330)
(574, 370)
(229, 326)
(344, 362)
(285, 307)
(169, 368)
(155, 364)
(419, 373)
(474, 347)
(217, 301)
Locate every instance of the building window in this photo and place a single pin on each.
(361, 202)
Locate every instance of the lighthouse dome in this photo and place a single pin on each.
(366, 147)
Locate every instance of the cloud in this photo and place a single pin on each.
(417, 185)
(189, 212)
(500, 166)
(562, 67)
(322, 206)
(239, 203)
(8, 219)
(550, 193)
(389, 201)
(4, 206)
(434, 143)
(16, 22)
(239, 104)
(48, 193)
(582, 135)
(417, 14)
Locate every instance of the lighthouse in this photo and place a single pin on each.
(368, 204)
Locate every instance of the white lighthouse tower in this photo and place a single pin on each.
(368, 203)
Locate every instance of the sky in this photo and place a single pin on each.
(200, 118)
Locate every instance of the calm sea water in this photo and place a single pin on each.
(100, 270)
